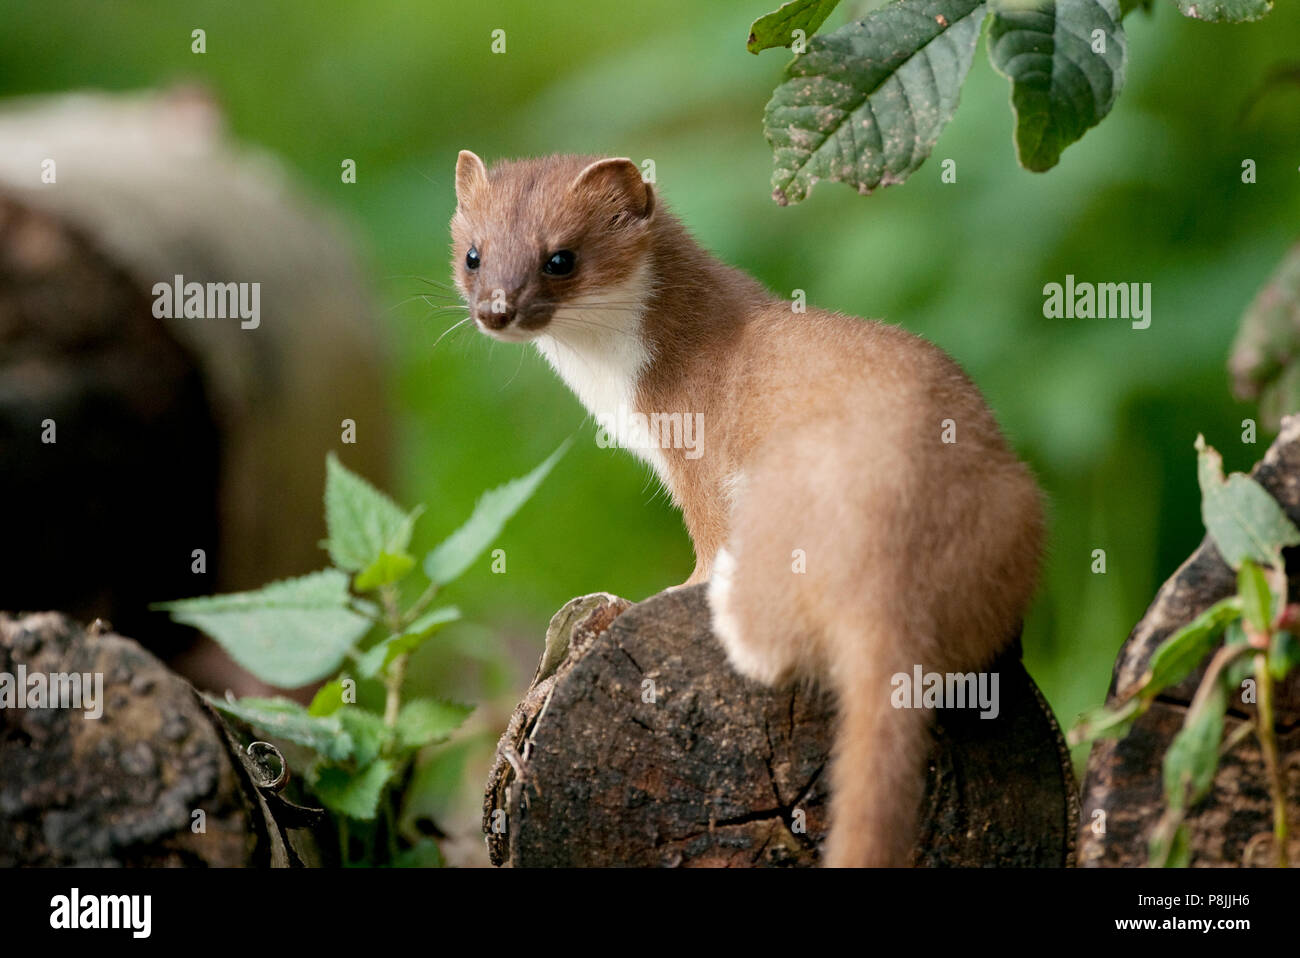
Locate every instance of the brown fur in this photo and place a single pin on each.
(822, 434)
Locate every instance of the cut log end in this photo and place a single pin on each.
(644, 748)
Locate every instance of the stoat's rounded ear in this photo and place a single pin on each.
(619, 182)
(471, 175)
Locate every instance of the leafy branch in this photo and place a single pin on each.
(865, 103)
(1250, 636)
(299, 631)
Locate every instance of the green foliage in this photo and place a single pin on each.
(295, 632)
(368, 533)
(1180, 654)
(1062, 84)
(1246, 525)
(1193, 755)
(1245, 522)
(865, 104)
(354, 793)
(1256, 600)
(381, 655)
(280, 718)
(490, 515)
(1283, 655)
(288, 633)
(429, 721)
(777, 29)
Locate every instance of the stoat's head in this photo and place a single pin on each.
(531, 239)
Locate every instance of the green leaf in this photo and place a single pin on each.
(1193, 755)
(1244, 521)
(328, 699)
(1243, 666)
(1104, 722)
(376, 659)
(354, 794)
(282, 719)
(1283, 655)
(288, 633)
(426, 721)
(1263, 362)
(385, 570)
(494, 509)
(363, 523)
(1175, 853)
(1180, 654)
(437, 784)
(777, 28)
(1256, 599)
(1225, 11)
(368, 731)
(1060, 85)
(866, 103)
(423, 854)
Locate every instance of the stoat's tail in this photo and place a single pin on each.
(878, 767)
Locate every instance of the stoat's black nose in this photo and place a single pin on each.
(499, 318)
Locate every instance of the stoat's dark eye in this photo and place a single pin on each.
(471, 258)
(560, 264)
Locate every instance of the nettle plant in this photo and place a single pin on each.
(865, 104)
(1258, 650)
(348, 624)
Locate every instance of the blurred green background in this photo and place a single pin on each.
(1105, 414)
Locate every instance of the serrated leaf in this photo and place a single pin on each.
(1180, 654)
(1244, 521)
(280, 718)
(368, 732)
(1224, 11)
(376, 659)
(1060, 86)
(386, 569)
(455, 554)
(362, 522)
(426, 721)
(354, 794)
(1193, 755)
(777, 29)
(866, 104)
(1263, 359)
(288, 633)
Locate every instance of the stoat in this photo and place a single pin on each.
(853, 505)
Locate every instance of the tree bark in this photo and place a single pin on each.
(126, 788)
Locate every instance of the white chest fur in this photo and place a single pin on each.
(595, 345)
